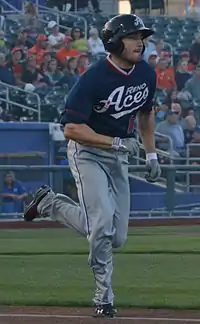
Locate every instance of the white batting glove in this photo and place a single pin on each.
(153, 168)
(129, 145)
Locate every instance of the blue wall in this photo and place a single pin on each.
(31, 144)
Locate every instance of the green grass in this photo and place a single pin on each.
(158, 267)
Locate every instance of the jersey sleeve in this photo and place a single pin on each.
(80, 101)
(152, 89)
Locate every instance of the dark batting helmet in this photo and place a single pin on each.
(119, 27)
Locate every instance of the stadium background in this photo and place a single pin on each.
(159, 266)
(39, 65)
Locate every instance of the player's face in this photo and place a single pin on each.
(133, 46)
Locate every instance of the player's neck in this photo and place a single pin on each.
(121, 63)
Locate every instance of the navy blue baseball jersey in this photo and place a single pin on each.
(107, 98)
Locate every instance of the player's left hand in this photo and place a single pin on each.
(153, 170)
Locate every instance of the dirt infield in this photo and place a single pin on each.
(132, 223)
(32, 315)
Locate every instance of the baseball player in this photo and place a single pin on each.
(99, 123)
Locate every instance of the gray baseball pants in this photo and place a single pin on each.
(102, 182)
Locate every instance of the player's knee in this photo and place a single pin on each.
(119, 241)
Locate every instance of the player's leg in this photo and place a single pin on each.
(59, 207)
(122, 199)
(89, 170)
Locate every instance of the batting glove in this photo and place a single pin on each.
(153, 168)
(129, 145)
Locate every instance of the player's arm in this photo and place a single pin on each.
(78, 110)
(82, 133)
(145, 123)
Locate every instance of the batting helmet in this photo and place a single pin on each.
(119, 27)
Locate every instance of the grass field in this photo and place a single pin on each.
(158, 267)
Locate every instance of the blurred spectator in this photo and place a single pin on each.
(182, 74)
(195, 51)
(39, 49)
(82, 64)
(171, 128)
(22, 41)
(29, 19)
(30, 72)
(13, 194)
(161, 113)
(193, 84)
(165, 76)
(79, 43)
(152, 60)
(95, 4)
(6, 74)
(3, 47)
(168, 58)
(15, 63)
(45, 61)
(53, 75)
(159, 45)
(56, 39)
(190, 125)
(95, 43)
(185, 56)
(149, 48)
(71, 69)
(66, 51)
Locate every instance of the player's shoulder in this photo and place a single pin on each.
(94, 69)
(144, 67)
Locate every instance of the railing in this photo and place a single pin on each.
(8, 102)
(44, 9)
(192, 160)
(11, 7)
(171, 170)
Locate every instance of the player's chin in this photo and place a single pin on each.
(136, 56)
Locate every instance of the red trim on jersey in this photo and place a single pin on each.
(117, 68)
(76, 113)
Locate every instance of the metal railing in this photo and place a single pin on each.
(44, 9)
(8, 101)
(170, 189)
(192, 160)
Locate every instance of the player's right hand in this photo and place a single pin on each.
(153, 170)
(129, 145)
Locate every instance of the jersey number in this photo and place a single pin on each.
(131, 125)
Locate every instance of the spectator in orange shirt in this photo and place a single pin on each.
(39, 49)
(67, 51)
(165, 77)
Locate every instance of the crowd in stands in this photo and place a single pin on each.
(58, 58)
(177, 100)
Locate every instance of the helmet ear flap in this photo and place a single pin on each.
(143, 50)
(116, 47)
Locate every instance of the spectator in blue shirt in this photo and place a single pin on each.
(13, 194)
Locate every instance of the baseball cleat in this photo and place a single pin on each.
(31, 212)
(104, 311)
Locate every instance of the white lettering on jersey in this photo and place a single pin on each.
(123, 98)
